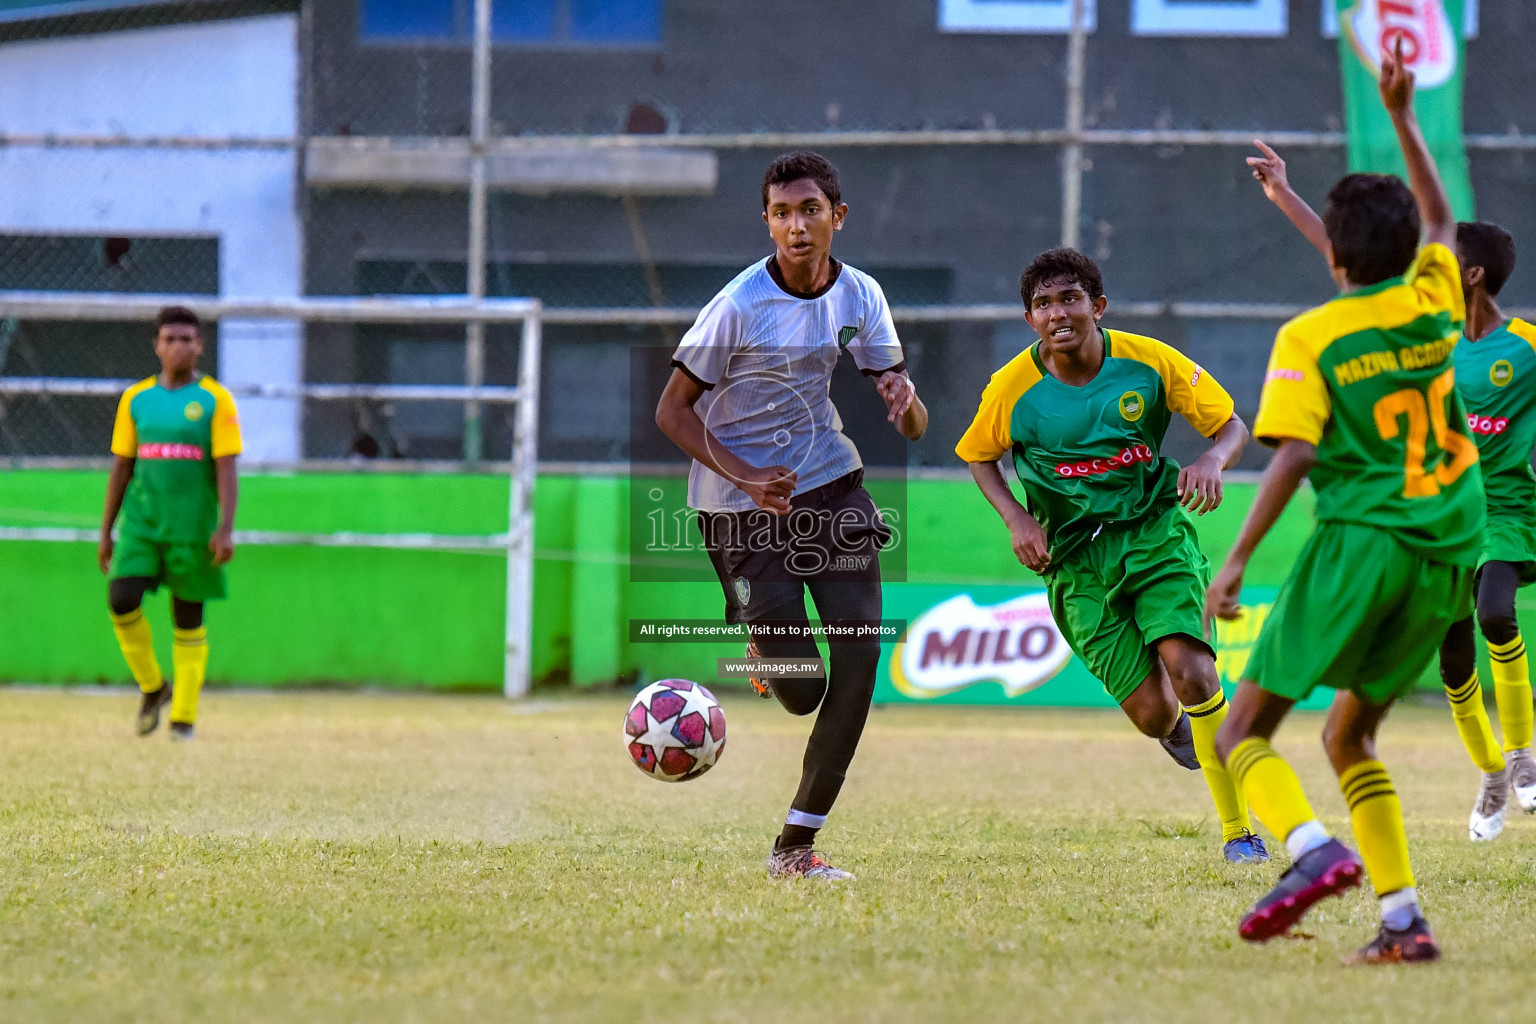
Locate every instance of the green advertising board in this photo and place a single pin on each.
(998, 645)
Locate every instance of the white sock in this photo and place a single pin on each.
(1398, 909)
(1305, 838)
(805, 820)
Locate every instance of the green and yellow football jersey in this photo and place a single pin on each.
(1496, 376)
(1091, 455)
(1369, 379)
(175, 435)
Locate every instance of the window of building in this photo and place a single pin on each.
(557, 22)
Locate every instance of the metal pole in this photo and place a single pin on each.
(517, 672)
(479, 133)
(333, 309)
(1072, 153)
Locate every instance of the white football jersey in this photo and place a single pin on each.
(765, 357)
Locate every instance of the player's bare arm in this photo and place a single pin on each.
(117, 487)
(1269, 171)
(1026, 533)
(902, 406)
(1200, 481)
(769, 487)
(1289, 467)
(1396, 83)
(222, 543)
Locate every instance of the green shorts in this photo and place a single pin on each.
(1511, 538)
(1359, 612)
(1128, 588)
(187, 569)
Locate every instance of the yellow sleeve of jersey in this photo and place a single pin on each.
(1295, 403)
(1192, 392)
(226, 420)
(1522, 330)
(1436, 277)
(125, 433)
(987, 439)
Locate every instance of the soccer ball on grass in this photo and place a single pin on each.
(675, 730)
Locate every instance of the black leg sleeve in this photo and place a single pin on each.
(186, 614)
(125, 593)
(1496, 588)
(1458, 654)
(799, 696)
(847, 601)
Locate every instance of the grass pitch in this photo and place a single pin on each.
(341, 858)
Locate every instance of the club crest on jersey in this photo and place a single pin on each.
(743, 588)
(1501, 373)
(194, 411)
(845, 335)
(1132, 406)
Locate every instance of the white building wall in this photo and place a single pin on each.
(215, 79)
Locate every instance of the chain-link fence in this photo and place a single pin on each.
(627, 139)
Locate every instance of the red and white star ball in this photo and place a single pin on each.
(675, 730)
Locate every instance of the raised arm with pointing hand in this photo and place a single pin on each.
(1396, 83)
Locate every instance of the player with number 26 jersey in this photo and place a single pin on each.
(1369, 379)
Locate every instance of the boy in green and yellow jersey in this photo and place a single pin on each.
(1361, 395)
(1496, 378)
(1083, 412)
(173, 481)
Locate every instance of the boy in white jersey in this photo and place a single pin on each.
(778, 486)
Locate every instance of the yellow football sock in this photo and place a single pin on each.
(1271, 787)
(138, 645)
(1204, 719)
(1471, 719)
(1512, 691)
(1377, 816)
(190, 658)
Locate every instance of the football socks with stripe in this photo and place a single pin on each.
(1512, 691)
(1204, 719)
(1472, 724)
(1272, 789)
(138, 647)
(1377, 817)
(189, 657)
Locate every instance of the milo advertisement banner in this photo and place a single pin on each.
(998, 645)
(1430, 32)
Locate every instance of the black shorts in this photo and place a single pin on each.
(832, 532)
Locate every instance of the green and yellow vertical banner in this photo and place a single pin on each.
(1431, 36)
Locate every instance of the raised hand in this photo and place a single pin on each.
(1395, 80)
(1269, 171)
